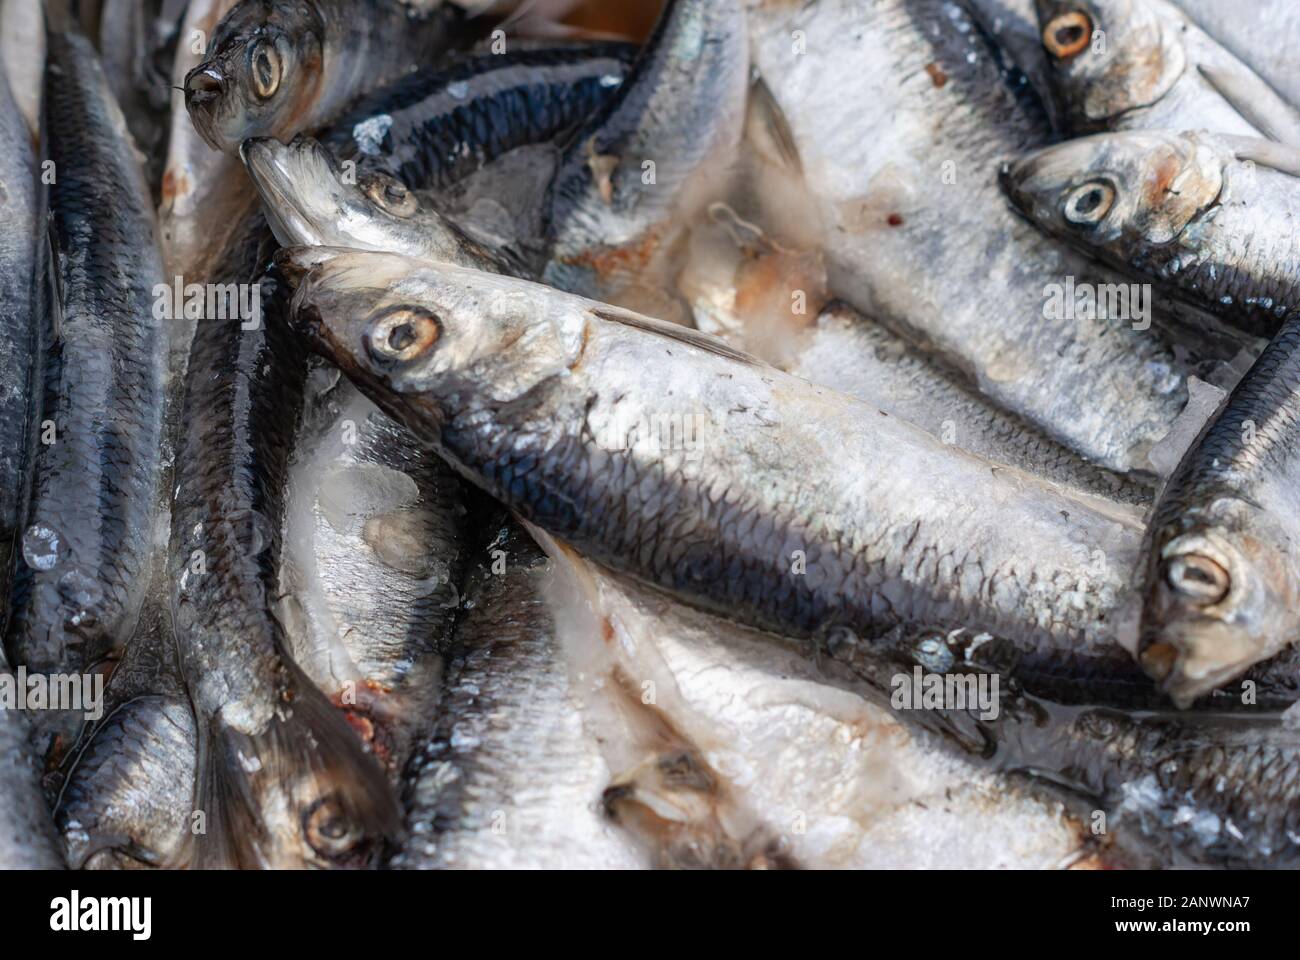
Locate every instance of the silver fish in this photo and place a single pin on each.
(27, 837)
(1261, 33)
(1141, 64)
(893, 188)
(374, 548)
(22, 49)
(648, 162)
(743, 489)
(1209, 218)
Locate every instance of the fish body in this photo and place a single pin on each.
(892, 189)
(275, 68)
(509, 777)
(770, 512)
(1204, 216)
(1260, 34)
(437, 125)
(27, 837)
(638, 172)
(375, 546)
(282, 778)
(22, 49)
(1143, 64)
(86, 543)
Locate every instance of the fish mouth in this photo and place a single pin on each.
(280, 173)
(206, 88)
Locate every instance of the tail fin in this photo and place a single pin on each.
(328, 801)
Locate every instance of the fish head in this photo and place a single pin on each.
(311, 198)
(262, 74)
(1119, 194)
(1109, 56)
(1222, 593)
(413, 333)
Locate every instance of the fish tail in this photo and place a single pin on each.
(309, 752)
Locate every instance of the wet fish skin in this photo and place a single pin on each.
(278, 67)
(1173, 208)
(1260, 34)
(376, 541)
(1154, 68)
(437, 125)
(1222, 577)
(129, 798)
(310, 198)
(681, 109)
(27, 837)
(509, 777)
(849, 352)
(281, 779)
(886, 201)
(529, 391)
(23, 318)
(86, 547)
(1160, 780)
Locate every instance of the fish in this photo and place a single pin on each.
(27, 837)
(1172, 208)
(22, 50)
(1221, 572)
(282, 780)
(1142, 64)
(891, 189)
(24, 308)
(85, 548)
(509, 776)
(128, 801)
(848, 352)
(309, 197)
(645, 165)
(376, 542)
(437, 125)
(275, 68)
(734, 486)
(203, 191)
(1259, 34)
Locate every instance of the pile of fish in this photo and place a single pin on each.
(705, 434)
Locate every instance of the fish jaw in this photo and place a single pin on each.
(298, 185)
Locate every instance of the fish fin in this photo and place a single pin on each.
(1257, 102)
(307, 749)
(767, 119)
(1281, 157)
(672, 331)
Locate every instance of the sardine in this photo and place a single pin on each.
(86, 543)
(438, 125)
(1142, 64)
(204, 193)
(510, 776)
(1262, 33)
(375, 546)
(282, 780)
(1210, 219)
(745, 490)
(27, 837)
(24, 307)
(22, 50)
(310, 198)
(894, 189)
(275, 68)
(642, 168)
(128, 802)
(846, 351)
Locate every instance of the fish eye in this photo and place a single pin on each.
(391, 195)
(264, 65)
(328, 830)
(402, 333)
(1198, 579)
(1088, 205)
(1066, 35)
